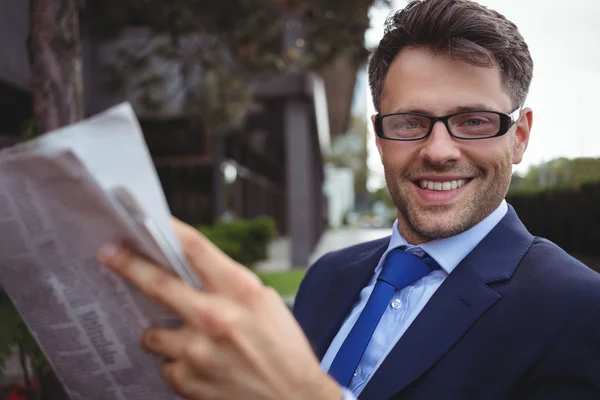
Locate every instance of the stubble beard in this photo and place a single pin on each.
(427, 223)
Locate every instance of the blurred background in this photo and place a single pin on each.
(256, 114)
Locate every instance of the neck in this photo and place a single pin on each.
(413, 238)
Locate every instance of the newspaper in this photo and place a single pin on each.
(61, 197)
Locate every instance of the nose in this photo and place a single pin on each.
(440, 147)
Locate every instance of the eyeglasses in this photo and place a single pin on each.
(466, 125)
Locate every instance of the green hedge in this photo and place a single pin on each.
(570, 217)
(246, 241)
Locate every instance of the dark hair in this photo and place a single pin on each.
(465, 30)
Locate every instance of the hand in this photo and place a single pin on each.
(239, 340)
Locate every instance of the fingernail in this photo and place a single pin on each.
(148, 338)
(108, 251)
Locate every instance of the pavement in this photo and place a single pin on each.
(279, 250)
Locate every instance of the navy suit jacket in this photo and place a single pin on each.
(517, 319)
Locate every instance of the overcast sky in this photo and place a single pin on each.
(564, 40)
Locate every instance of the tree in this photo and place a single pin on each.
(233, 38)
(55, 58)
(218, 45)
(57, 92)
(558, 172)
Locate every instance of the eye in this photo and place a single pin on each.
(409, 125)
(473, 122)
(405, 125)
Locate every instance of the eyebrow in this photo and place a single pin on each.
(468, 107)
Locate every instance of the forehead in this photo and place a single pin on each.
(433, 82)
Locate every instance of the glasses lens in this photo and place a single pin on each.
(475, 125)
(405, 126)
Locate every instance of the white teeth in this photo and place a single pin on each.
(441, 186)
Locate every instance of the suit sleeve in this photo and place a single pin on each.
(571, 369)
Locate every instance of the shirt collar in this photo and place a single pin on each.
(449, 252)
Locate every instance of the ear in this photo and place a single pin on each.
(377, 138)
(522, 135)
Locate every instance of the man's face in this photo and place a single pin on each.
(421, 81)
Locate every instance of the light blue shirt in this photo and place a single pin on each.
(408, 302)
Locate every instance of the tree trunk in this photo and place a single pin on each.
(55, 58)
(57, 91)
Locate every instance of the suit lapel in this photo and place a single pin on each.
(457, 304)
(350, 280)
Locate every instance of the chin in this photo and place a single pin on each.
(438, 232)
(439, 222)
(443, 234)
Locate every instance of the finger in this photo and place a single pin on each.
(218, 315)
(208, 358)
(168, 343)
(154, 281)
(218, 272)
(186, 382)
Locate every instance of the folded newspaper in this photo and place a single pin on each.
(62, 196)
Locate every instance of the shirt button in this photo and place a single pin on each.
(396, 304)
(357, 371)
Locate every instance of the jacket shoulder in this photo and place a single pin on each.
(347, 255)
(569, 311)
(551, 258)
(325, 265)
(551, 272)
(320, 275)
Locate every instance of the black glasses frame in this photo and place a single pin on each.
(506, 122)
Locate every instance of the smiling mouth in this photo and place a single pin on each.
(441, 186)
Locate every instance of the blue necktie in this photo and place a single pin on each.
(400, 269)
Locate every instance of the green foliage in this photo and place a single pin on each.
(31, 128)
(10, 328)
(222, 98)
(286, 283)
(566, 215)
(219, 100)
(235, 22)
(247, 39)
(561, 172)
(15, 333)
(350, 151)
(131, 62)
(337, 27)
(246, 241)
(250, 28)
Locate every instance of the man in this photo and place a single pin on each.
(502, 314)
(461, 302)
